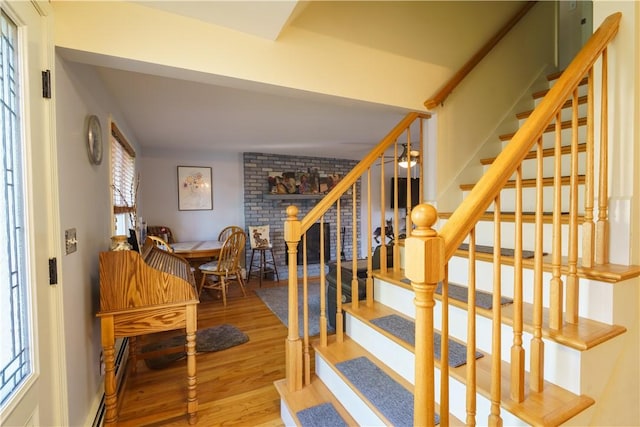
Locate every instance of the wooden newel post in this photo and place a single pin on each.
(424, 266)
(292, 236)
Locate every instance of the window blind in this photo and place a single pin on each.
(123, 173)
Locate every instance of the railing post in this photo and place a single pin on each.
(424, 267)
(293, 368)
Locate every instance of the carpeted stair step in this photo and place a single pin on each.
(585, 335)
(312, 406)
(539, 409)
(610, 273)
(375, 394)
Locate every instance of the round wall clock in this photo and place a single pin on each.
(94, 140)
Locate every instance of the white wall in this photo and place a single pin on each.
(159, 193)
(486, 97)
(85, 205)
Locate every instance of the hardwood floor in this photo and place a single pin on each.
(235, 386)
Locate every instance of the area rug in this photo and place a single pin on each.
(277, 300)
(393, 400)
(323, 415)
(406, 330)
(216, 338)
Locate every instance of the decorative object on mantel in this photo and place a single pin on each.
(195, 191)
(120, 243)
(309, 182)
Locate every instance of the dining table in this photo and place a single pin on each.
(197, 249)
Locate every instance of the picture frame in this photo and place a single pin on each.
(195, 188)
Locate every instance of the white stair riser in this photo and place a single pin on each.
(402, 361)
(530, 166)
(285, 414)
(349, 399)
(595, 297)
(556, 355)
(508, 199)
(567, 112)
(485, 230)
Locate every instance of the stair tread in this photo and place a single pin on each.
(547, 152)
(609, 273)
(551, 128)
(582, 336)
(554, 405)
(581, 100)
(313, 394)
(348, 349)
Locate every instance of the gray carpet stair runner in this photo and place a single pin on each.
(324, 415)
(461, 293)
(390, 398)
(405, 330)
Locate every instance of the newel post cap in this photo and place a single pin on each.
(424, 249)
(292, 225)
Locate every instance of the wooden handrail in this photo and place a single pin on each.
(446, 90)
(485, 191)
(349, 179)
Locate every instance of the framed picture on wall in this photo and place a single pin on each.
(195, 192)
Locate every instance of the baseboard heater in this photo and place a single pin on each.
(120, 365)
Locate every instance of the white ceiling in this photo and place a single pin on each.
(239, 116)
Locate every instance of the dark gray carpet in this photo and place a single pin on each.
(392, 400)
(216, 338)
(460, 293)
(324, 415)
(503, 251)
(406, 330)
(277, 300)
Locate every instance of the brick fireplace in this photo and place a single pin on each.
(261, 210)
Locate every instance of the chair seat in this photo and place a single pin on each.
(210, 266)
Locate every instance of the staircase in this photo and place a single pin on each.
(532, 316)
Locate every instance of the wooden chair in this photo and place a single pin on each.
(226, 269)
(227, 231)
(160, 243)
(161, 231)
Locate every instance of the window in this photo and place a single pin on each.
(124, 182)
(15, 336)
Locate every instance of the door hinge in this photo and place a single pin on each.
(53, 271)
(46, 84)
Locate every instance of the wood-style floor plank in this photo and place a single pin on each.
(235, 386)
